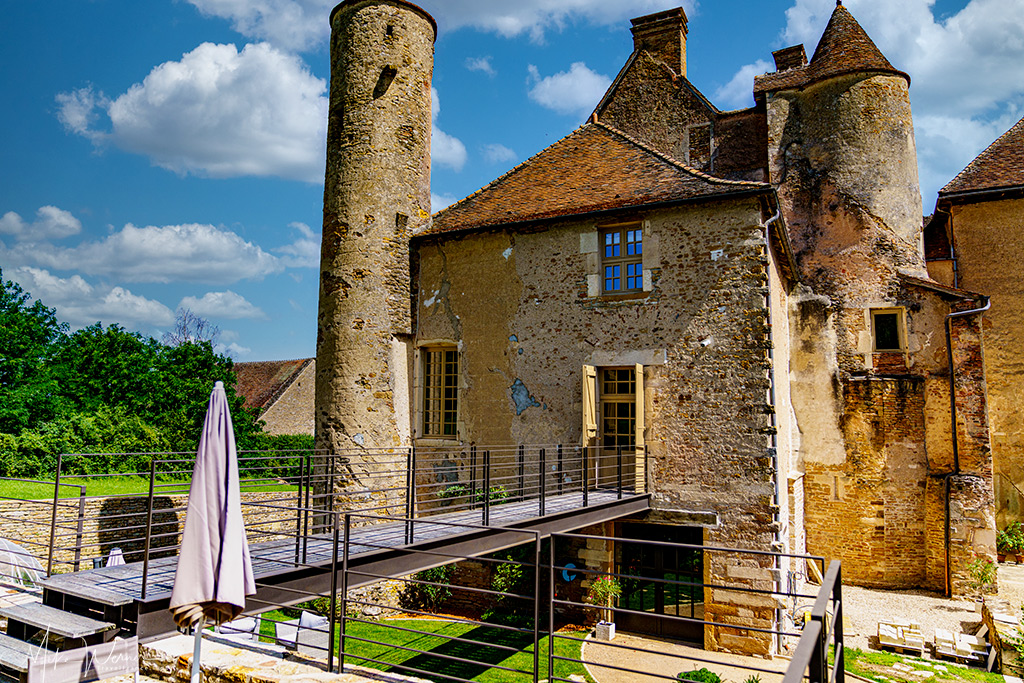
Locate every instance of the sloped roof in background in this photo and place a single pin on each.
(844, 48)
(595, 168)
(1001, 165)
(263, 382)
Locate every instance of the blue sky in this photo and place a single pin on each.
(170, 153)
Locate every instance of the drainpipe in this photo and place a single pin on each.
(779, 616)
(952, 421)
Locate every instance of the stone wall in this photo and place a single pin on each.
(120, 522)
(987, 237)
(376, 193)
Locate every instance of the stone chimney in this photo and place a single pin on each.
(663, 35)
(790, 58)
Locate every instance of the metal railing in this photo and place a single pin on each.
(81, 517)
(823, 632)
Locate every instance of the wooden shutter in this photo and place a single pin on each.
(589, 405)
(638, 440)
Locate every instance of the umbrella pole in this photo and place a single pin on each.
(198, 646)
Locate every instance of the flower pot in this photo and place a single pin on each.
(605, 630)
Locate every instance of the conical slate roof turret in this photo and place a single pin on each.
(844, 48)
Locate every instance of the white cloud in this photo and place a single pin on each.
(966, 88)
(445, 150)
(221, 305)
(441, 201)
(191, 253)
(217, 112)
(81, 304)
(576, 91)
(304, 252)
(302, 24)
(291, 24)
(50, 223)
(481, 64)
(536, 17)
(498, 154)
(234, 350)
(739, 92)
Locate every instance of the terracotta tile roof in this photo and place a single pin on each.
(844, 48)
(999, 166)
(595, 168)
(263, 382)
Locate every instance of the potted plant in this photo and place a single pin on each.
(602, 591)
(1010, 541)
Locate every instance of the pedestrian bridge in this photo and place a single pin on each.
(308, 515)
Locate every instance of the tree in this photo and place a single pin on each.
(190, 328)
(29, 333)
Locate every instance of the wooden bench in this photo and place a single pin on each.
(24, 620)
(14, 654)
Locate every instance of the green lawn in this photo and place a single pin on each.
(116, 486)
(877, 666)
(434, 637)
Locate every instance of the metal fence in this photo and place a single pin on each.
(82, 518)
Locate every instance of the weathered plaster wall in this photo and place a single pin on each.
(988, 237)
(842, 155)
(292, 412)
(519, 305)
(377, 191)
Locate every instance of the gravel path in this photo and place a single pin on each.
(863, 608)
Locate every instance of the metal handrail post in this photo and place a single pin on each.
(521, 456)
(81, 526)
(819, 657)
(618, 465)
(551, 606)
(585, 466)
(540, 478)
(487, 488)
(149, 525)
(837, 620)
(334, 595)
(344, 592)
(53, 517)
(410, 495)
(472, 475)
(536, 608)
(308, 473)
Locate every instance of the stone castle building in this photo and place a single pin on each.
(740, 297)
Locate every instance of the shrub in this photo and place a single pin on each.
(702, 675)
(429, 588)
(1011, 539)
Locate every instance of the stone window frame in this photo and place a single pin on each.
(422, 391)
(592, 247)
(901, 329)
(621, 247)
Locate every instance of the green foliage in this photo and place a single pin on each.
(877, 665)
(29, 333)
(429, 588)
(603, 590)
(701, 675)
(752, 678)
(105, 390)
(458, 494)
(983, 573)
(1011, 539)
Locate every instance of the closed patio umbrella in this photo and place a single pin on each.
(214, 573)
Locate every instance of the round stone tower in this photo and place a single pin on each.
(376, 192)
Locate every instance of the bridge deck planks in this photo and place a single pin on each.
(122, 584)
